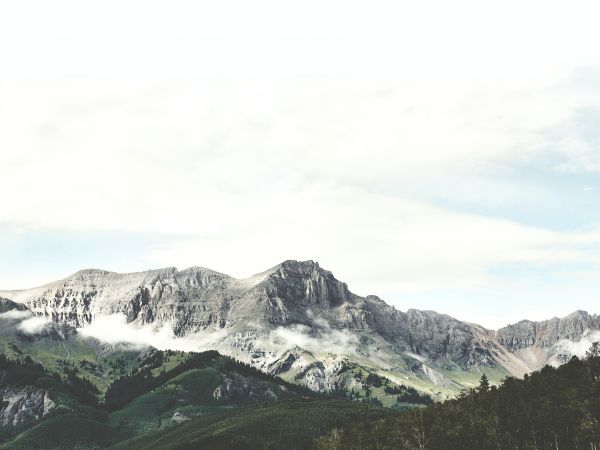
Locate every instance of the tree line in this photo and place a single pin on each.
(553, 408)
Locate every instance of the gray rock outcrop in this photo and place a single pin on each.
(20, 406)
(8, 305)
(547, 333)
(292, 318)
(294, 292)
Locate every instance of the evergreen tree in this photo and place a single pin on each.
(484, 384)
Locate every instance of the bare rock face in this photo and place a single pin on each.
(8, 305)
(144, 297)
(547, 333)
(293, 292)
(193, 299)
(305, 284)
(552, 341)
(21, 406)
(299, 306)
(237, 388)
(179, 418)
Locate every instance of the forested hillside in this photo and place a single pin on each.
(224, 402)
(554, 408)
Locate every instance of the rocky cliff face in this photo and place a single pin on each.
(144, 297)
(21, 406)
(547, 333)
(552, 341)
(293, 292)
(293, 317)
(8, 305)
(237, 388)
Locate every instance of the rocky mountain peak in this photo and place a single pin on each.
(308, 303)
(580, 315)
(305, 283)
(89, 273)
(295, 269)
(308, 265)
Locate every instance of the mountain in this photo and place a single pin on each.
(69, 391)
(551, 341)
(554, 408)
(297, 321)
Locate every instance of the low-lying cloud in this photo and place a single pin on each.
(114, 329)
(299, 336)
(26, 322)
(34, 325)
(15, 314)
(321, 339)
(578, 348)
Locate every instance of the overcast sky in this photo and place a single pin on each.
(442, 155)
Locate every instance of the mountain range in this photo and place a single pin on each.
(297, 321)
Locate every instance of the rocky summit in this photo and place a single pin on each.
(298, 321)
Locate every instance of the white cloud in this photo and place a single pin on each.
(379, 243)
(15, 314)
(577, 348)
(26, 321)
(34, 325)
(256, 174)
(114, 329)
(209, 151)
(331, 39)
(317, 340)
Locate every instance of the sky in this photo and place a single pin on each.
(441, 155)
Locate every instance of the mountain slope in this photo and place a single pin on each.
(298, 321)
(105, 395)
(551, 341)
(554, 408)
(289, 424)
(163, 390)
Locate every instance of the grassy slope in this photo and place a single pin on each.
(285, 424)
(189, 394)
(74, 352)
(66, 431)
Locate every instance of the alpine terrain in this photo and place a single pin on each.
(298, 322)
